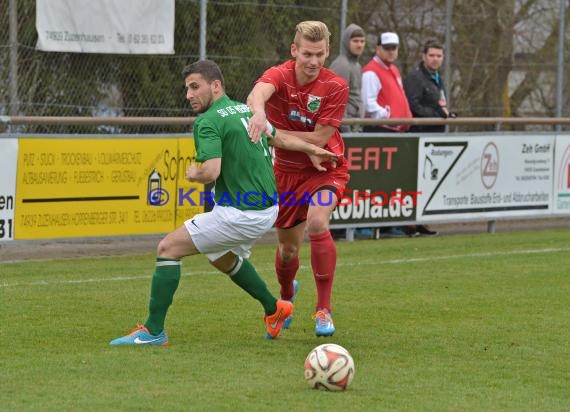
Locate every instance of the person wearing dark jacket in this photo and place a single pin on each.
(425, 89)
(427, 98)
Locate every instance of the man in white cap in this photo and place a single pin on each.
(383, 94)
(383, 97)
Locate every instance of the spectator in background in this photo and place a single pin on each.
(425, 89)
(426, 93)
(383, 97)
(383, 94)
(346, 65)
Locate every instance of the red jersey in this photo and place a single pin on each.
(300, 108)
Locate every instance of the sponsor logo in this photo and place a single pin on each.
(155, 192)
(273, 325)
(489, 165)
(296, 116)
(140, 341)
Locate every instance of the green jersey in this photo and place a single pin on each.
(246, 179)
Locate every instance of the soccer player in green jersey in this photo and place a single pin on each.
(246, 203)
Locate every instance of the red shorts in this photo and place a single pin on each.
(295, 191)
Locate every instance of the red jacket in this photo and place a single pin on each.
(392, 93)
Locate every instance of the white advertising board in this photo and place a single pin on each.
(106, 26)
(562, 175)
(8, 161)
(463, 177)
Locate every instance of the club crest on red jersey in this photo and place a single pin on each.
(313, 103)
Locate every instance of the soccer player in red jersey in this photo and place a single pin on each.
(306, 99)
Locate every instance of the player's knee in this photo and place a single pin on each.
(164, 249)
(161, 248)
(288, 252)
(317, 224)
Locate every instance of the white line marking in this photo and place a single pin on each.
(474, 255)
(268, 268)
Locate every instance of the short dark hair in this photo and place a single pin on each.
(432, 44)
(207, 68)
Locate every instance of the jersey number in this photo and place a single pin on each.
(265, 149)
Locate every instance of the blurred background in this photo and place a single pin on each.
(503, 58)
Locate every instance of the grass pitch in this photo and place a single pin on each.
(451, 323)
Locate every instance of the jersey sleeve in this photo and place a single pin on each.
(207, 140)
(273, 76)
(334, 105)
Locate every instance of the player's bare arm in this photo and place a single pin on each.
(317, 154)
(319, 137)
(207, 172)
(256, 101)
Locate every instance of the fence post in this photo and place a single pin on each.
(343, 11)
(560, 77)
(13, 72)
(447, 61)
(203, 28)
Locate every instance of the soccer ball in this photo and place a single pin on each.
(330, 367)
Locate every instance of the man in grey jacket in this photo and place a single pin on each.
(347, 66)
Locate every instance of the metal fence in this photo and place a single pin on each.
(240, 37)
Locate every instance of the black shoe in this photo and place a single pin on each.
(411, 231)
(424, 230)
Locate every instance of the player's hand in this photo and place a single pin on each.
(256, 125)
(192, 172)
(321, 155)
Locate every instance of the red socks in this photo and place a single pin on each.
(323, 261)
(286, 274)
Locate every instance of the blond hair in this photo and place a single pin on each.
(313, 31)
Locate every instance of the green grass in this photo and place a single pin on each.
(452, 323)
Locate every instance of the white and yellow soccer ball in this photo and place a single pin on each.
(330, 367)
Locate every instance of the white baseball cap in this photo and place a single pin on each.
(388, 39)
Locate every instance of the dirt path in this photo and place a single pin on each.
(72, 248)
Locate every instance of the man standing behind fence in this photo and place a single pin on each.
(384, 97)
(382, 90)
(427, 97)
(308, 100)
(347, 66)
(425, 89)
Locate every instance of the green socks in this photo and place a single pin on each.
(167, 276)
(164, 283)
(246, 277)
